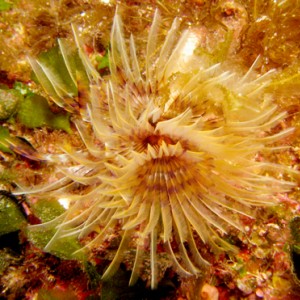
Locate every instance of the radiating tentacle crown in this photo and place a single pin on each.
(171, 144)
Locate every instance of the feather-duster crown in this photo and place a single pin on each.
(171, 148)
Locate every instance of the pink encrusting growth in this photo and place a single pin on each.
(171, 145)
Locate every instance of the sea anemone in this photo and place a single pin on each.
(175, 148)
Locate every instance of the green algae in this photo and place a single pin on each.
(4, 135)
(4, 5)
(9, 100)
(11, 218)
(62, 74)
(35, 112)
(102, 61)
(22, 88)
(64, 248)
(46, 211)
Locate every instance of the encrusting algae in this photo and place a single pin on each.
(175, 148)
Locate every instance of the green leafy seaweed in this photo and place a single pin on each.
(11, 218)
(4, 5)
(35, 112)
(103, 61)
(47, 210)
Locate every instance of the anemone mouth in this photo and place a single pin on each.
(170, 149)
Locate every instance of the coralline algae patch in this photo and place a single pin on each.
(180, 148)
